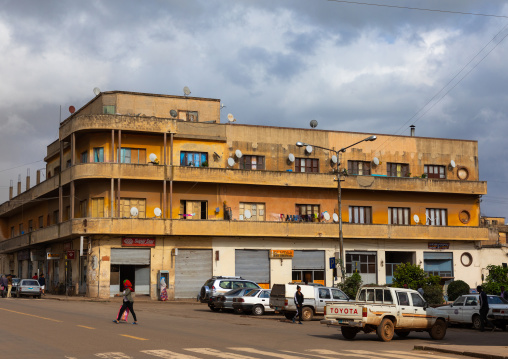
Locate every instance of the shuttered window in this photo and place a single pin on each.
(398, 169)
(248, 162)
(127, 203)
(307, 165)
(433, 171)
(361, 168)
(399, 215)
(133, 155)
(436, 216)
(98, 207)
(360, 214)
(256, 211)
(193, 209)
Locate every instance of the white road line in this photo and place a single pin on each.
(166, 354)
(339, 354)
(418, 355)
(261, 352)
(218, 353)
(113, 355)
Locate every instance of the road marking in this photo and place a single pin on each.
(336, 354)
(32, 315)
(113, 355)
(166, 354)
(218, 353)
(422, 355)
(256, 351)
(83, 326)
(130, 336)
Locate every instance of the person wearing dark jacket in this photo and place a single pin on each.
(484, 309)
(128, 302)
(299, 304)
(42, 283)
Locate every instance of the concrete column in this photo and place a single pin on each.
(112, 198)
(11, 191)
(73, 190)
(73, 149)
(19, 185)
(112, 154)
(28, 179)
(38, 177)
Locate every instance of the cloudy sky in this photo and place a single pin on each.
(349, 65)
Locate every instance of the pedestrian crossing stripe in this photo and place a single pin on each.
(166, 354)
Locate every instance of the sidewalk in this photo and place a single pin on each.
(476, 351)
(138, 298)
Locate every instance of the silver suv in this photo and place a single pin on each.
(220, 285)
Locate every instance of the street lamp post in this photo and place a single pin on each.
(339, 199)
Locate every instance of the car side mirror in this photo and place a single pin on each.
(425, 305)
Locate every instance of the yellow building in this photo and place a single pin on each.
(149, 183)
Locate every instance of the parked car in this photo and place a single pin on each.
(221, 285)
(315, 299)
(225, 301)
(15, 283)
(466, 310)
(257, 302)
(29, 287)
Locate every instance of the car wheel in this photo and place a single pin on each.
(438, 330)
(289, 315)
(348, 332)
(402, 333)
(385, 330)
(477, 321)
(258, 310)
(307, 314)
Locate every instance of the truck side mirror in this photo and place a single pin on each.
(425, 305)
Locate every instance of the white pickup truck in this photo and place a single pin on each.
(387, 311)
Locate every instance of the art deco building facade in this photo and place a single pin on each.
(155, 184)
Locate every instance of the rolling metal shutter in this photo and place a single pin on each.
(253, 265)
(193, 268)
(130, 256)
(309, 260)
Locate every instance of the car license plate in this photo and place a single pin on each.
(31, 288)
(344, 321)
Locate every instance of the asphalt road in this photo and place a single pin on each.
(43, 328)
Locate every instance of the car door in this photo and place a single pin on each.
(471, 307)
(406, 311)
(420, 319)
(324, 296)
(455, 311)
(264, 297)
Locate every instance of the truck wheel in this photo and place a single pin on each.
(438, 330)
(476, 322)
(402, 333)
(258, 310)
(289, 315)
(385, 330)
(307, 314)
(348, 332)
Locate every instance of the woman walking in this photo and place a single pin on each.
(128, 302)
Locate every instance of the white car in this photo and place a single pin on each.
(466, 310)
(257, 302)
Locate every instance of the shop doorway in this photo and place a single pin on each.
(394, 259)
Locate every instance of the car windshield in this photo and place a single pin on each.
(233, 292)
(496, 300)
(29, 282)
(15, 280)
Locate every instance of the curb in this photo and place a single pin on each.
(460, 352)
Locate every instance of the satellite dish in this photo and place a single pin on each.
(222, 106)
(186, 91)
(376, 161)
(327, 216)
(452, 163)
(238, 154)
(231, 118)
(72, 109)
(334, 159)
(335, 217)
(96, 91)
(152, 157)
(247, 214)
(173, 113)
(416, 218)
(291, 157)
(308, 149)
(157, 211)
(313, 123)
(134, 211)
(231, 162)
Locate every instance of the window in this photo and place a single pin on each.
(338, 294)
(191, 116)
(98, 154)
(433, 171)
(133, 155)
(41, 221)
(193, 159)
(307, 165)
(388, 296)
(436, 216)
(360, 263)
(68, 164)
(360, 214)
(127, 203)
(30, 225)
(193, 209)
(324, 293)
(98, 207)
(399, 215)
(21, 229)
(361, 168)
(398, 169)
(108, 110)
(403, 298)
(471, 301)
(84, 157)
(67, 213)
(417, 300)
(308, 212)
(248, 162)
(257, 211)
(12, 232)
(57, 170)
(83, 208)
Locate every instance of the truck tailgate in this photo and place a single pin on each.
(346, 312)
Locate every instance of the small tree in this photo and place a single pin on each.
(456, 289)
(413, 276)
(433, 294)
(498, 276)
(351, 285)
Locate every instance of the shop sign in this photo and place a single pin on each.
(439, 245)
(282, 253)
(23, 255)
(138, 242)
(52, 256)
(37, 255)
(70, 254)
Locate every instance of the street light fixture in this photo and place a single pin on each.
(339, 188)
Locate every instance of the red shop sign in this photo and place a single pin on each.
(138, 242)
(70, 254)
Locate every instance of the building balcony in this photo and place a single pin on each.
(152, 227)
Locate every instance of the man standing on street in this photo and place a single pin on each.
(484, 309)
(299, 304)
(42, 283)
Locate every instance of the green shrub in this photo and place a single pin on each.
(433, 294)
(498, 276)
(413, 276)
(456, 289)
(351, 285)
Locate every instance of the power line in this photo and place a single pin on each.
(26, 164)
(418, 8)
